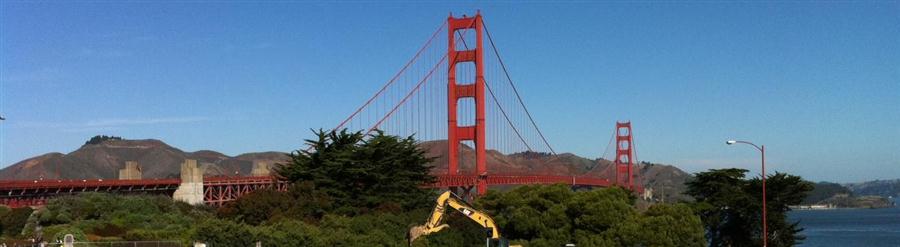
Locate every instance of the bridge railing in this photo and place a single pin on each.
(57, 183)
(64, 183)
(470, 180)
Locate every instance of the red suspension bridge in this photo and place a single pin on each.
(456, 89)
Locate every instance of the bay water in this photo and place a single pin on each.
(849, 227)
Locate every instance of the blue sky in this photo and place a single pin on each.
(818, 83)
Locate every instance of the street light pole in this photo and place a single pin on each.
(762, 151)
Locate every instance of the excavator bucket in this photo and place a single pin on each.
(414, 233)
(417, 231)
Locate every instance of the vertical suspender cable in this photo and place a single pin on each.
(505, 71)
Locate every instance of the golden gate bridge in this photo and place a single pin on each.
(456, 90)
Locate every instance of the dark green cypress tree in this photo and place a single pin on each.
(731, 207)
(362, 173)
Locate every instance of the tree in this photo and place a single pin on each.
(98, 139)
(14, 221)
(730, 207)
(362, 172)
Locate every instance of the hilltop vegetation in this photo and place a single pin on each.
(98, 139)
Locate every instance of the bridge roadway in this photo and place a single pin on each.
(219, 190)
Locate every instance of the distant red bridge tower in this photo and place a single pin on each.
(624, 161)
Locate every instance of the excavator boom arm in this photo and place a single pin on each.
(435, 221)
(479, 217)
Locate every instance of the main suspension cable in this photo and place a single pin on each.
(497, 102)
(390, 82)
(505, 71)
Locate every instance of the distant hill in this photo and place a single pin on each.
(825, 190)
(565, 164)
(156, 158)
(103, 157)
(665, 180)
(884, 188)
(866, 195)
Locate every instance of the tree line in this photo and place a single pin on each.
(351, 189)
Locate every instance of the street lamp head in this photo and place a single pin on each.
(729, 142)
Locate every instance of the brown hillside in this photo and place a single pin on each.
(157, 160)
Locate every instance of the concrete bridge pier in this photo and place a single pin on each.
(261, 169)
(191, 188)
(131, 171)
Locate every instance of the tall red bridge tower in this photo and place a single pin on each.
(624, 161)
(466, 88)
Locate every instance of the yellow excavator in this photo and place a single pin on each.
(435, 222)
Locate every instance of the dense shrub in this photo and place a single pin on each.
(301, 201)
(14, 221)
(290, 233)
(3, 211)
(556, 215)
(224, 233)
(107, 216)
(58, 232)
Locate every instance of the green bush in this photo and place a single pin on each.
(302, 201)
(224, 233)
(14, 221)
(58, 232)
(3, 210)
(556, 215)
(289, 233)
(109, 216)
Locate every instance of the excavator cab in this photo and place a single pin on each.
(490, 241)
(501, 242)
